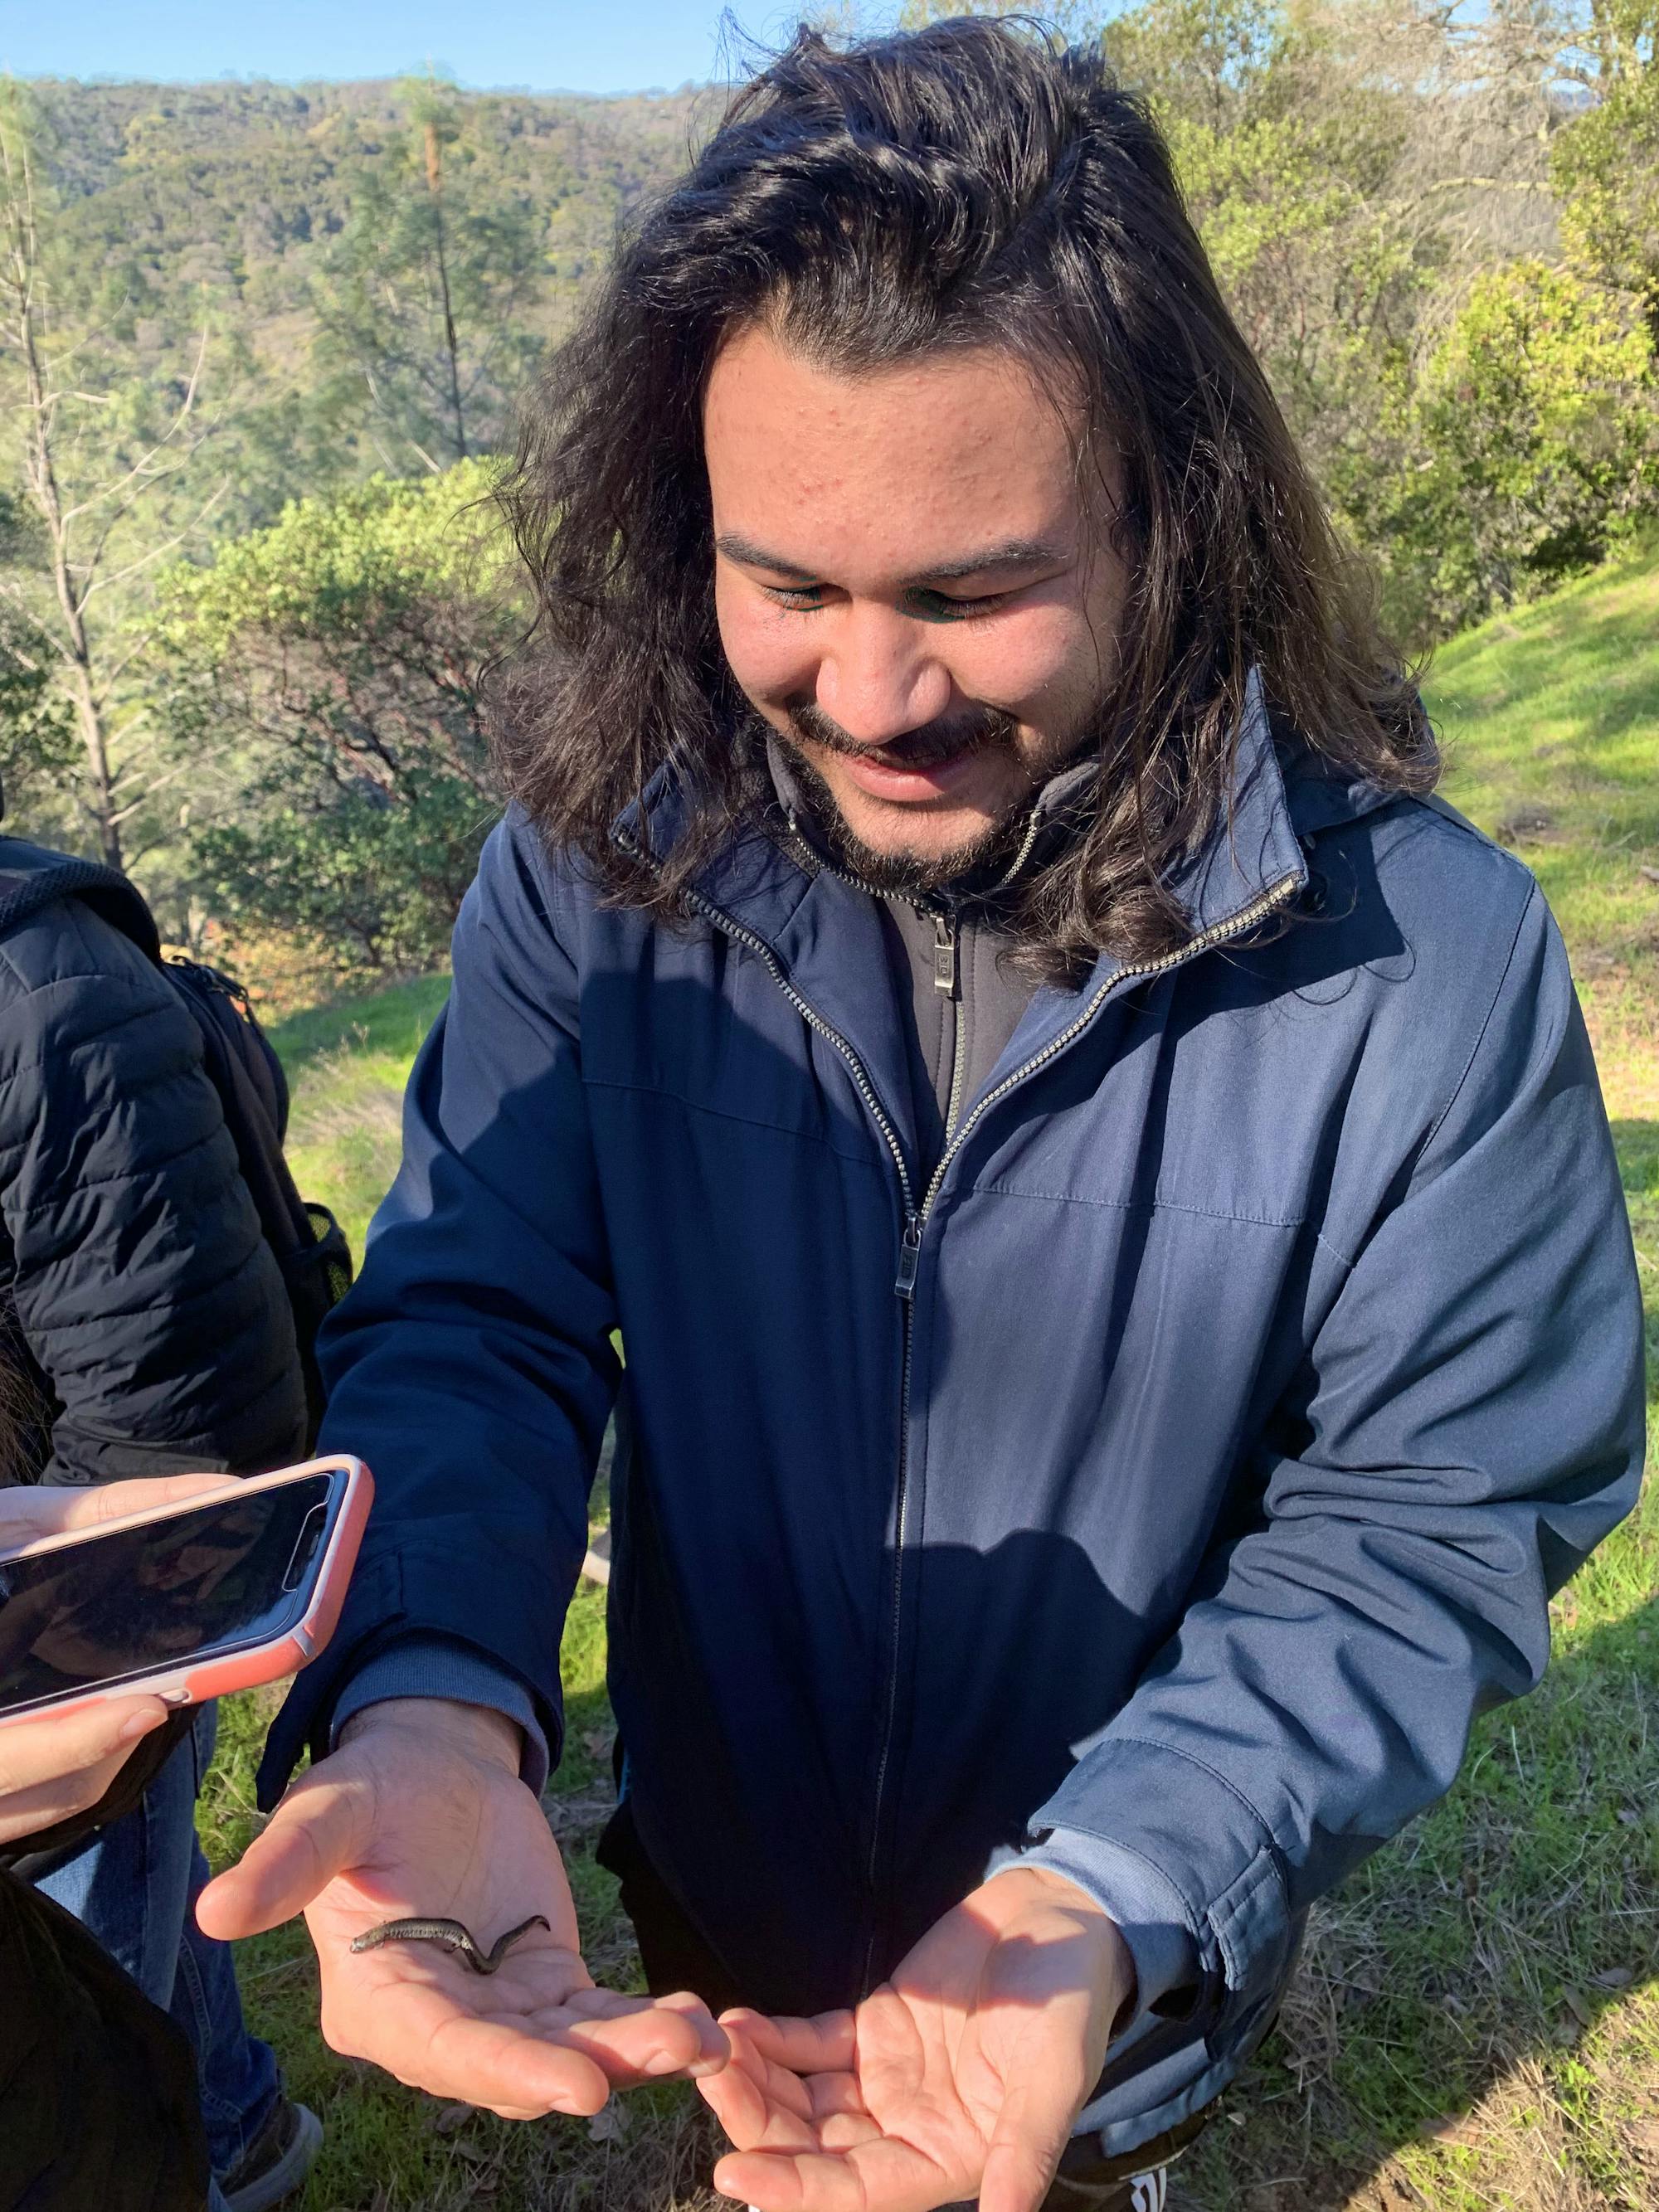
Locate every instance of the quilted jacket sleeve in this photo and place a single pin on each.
(141, 1284)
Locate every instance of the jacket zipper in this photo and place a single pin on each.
(1218, 933)
(947, 980)
(915, 1220)
(910, 1249)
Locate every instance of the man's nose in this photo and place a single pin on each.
(879, 678)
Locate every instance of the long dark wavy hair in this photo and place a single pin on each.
(972, 184)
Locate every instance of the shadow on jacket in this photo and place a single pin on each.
(1175, 1476)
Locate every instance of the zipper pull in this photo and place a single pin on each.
(946, 978)
(910, 1257)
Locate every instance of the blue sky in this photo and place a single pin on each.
(569, 45)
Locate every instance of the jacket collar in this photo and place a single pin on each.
(1278, 796)
(826, 933)
(1049, 820)
(1253, 846)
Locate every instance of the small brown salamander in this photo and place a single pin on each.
(453, 1935)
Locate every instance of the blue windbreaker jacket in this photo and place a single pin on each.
(1184, 1466)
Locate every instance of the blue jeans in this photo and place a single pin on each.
(134, 1885)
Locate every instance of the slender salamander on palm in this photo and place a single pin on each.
(453, 1935)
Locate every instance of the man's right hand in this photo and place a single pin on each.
(420, 1812)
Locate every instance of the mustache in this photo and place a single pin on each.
(980, 729)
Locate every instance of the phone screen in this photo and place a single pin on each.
(213, 1578)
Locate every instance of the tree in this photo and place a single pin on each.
(334, 666)
(105, 452)
(427, 309)
(1604, 161)
(1533, 448)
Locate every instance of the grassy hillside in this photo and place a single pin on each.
(347, 1066)
(1551, 718)
(1476, 2022)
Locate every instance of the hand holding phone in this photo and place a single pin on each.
(178, 1591)
(58, 1763)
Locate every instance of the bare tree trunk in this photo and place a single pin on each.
(79, 564)
(99, 797)
(435, 183)
(100, 789)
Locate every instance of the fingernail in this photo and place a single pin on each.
(140, 1725)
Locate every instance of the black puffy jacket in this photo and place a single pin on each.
(141, 1310)
(135, 1284)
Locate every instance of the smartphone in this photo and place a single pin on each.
(185, 1602)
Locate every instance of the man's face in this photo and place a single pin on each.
(907, 588)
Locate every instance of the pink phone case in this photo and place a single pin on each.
(193, 1682)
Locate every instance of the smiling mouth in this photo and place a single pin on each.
(916, 766)
(875, 772)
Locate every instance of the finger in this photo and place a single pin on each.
(845, 2131)
(756, 2119)
(318, 1831)
(632, 2039)
(881, 2174)
(760, 2105)
(833, 2096)
(823, 2045)
(715, 2047)
(817, 2181)
(685, 2021)
(1033, 2130)
(430, 2040)
(780, 2087)
(59, 1746)
(31, 1511)
(739, 2103)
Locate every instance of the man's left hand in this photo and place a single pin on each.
(960, 2078)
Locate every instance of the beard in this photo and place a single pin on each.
(898, 872)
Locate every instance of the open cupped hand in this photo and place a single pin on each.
(420, 1813)
(959, 2078)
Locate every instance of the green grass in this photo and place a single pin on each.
(1475, 2023)
(1551, 718)
(347, 1065)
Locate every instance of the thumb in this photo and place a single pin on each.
(1033, 2130)
(59, 1745)
(319, 1829)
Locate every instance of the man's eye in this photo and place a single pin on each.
(807, 598)
(939, 606)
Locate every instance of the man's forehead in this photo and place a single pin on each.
(1004, 556)
(933, 463)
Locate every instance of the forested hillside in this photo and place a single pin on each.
(261, 345)
(293, 225)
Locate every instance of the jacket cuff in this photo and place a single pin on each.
(427, 1666)
(413, 1591)
(1146, 1910)
(1183, 1822)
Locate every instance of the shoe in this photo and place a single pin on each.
(277, 2160)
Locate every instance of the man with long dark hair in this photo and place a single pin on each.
(1102, 1183)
